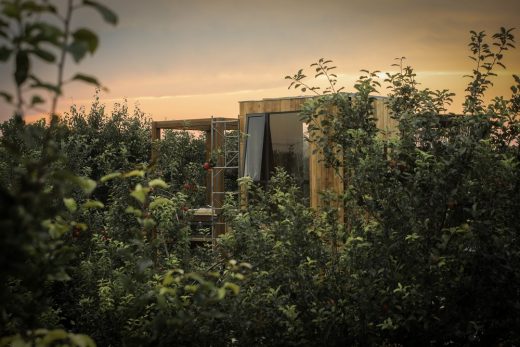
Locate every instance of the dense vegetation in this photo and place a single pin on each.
(421, 248)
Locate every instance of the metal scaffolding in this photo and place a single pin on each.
(225, 152)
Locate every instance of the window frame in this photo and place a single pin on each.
(267, 123)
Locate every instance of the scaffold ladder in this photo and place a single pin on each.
(225, 151)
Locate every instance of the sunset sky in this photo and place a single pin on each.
(196, 58)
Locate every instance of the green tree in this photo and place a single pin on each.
(431, 228)
(36, 29)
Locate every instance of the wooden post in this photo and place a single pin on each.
(156, 135)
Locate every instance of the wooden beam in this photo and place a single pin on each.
(156, 135)
(201, 124)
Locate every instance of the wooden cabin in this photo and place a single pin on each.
(271, 134)
(275, 136)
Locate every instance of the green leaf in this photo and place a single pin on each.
(86, 184)
(11, 10)
(48, 86)
(195, 276)
(22, 67)
(55, 228)
(47, 32)
(36, 99)
(92, 204)
(148, 223)
(110, 176)
(191, 288)
(86, 78)
(158, 202)
(412, 237)
(140, 193)
(168, 279)
(81, 340)
(134, 173)
(132, 210)
(108, 15)
(166, 290)
(70, 204)
(39, 84)
(33, 7)
(234, 288)
(246, 265)
(158, 183)
(78, 49)
(221, 293)
(87, 36)
(5, 53)
(8, 97)
(54, 335)
(44, 55)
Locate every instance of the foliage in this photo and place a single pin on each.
(44, 338)
(485, 61)
(431, 228)
(34, 222)
(185, 173)
(97, 261)
(292, 289)
(36, 30)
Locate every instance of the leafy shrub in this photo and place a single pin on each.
(431, 228)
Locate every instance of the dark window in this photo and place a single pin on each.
(277, 140)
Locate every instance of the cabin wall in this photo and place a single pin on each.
(321, 178)
(384, 121)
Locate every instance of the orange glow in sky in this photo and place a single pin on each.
(193, 58)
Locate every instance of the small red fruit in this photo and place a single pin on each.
(184, 208)
(206, 166)
(187, 186)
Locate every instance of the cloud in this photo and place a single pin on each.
(168, 50)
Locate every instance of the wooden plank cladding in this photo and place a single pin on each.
(384, 122)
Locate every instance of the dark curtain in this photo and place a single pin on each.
(267, 155)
